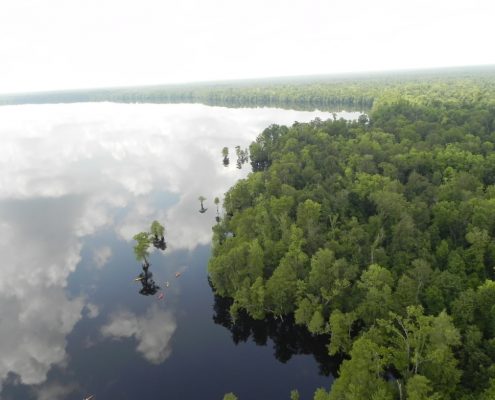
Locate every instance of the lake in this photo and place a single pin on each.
(77, 182)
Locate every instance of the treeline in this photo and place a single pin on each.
(351, 92)
(379, 232)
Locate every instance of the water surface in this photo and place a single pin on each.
(77, 181)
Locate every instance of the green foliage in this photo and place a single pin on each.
(157, 229)
(331, 92)
(419, 388)
(421, 344)
(376, 286)
(360, 377)
(294, 395)
(321, 394)
(379, 232)
(340, 329)
(141, 248)
(230, 396)
(489, 393)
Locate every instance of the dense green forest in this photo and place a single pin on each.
(350, 92)
(379, 233)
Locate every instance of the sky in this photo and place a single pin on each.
(66, 44)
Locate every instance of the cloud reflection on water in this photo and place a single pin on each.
(152, 331)
(35, 312)
(54, 391)
(101, 255)
(69, 171)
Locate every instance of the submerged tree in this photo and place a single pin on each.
(158, 232)
(156, 236)
(157, 229)
(238, 153)
(225, 154)
(202, 209)
(242, 156)
(149, 287)
(217, 202)
(141, 248)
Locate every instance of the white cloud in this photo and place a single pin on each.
(152, 331)
(36, 314)
(101, 256)
(93, 310)
(58, 44)
(54, 391)
(104, 157)
(33, 333)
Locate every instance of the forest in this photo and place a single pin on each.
(380, 234)
(333, 92)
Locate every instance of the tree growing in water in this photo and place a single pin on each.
(158, 232)
(202, 209)
(141, 248)
(225, 154)
(156, 236)
(217, 202)
(242, 156)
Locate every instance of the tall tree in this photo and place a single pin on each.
(141, 248)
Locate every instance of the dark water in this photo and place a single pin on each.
(76, 183)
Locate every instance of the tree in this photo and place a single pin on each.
(419, 387)
(376, 285)
(201, 199)
(422, 344)
(281, 288)
(321, 394)
(242, 156)
(281, 291)
(317, 323)
(238, 153)
(225, 154)
(330, 280)
(308, 214)
(216, 201)
(141, 248)
(489, 393)
(157, 229)
(361, 376)
(304, 312)
(294, 395)
(340, 329)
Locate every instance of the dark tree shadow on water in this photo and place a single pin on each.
(149, 287)
(288, 338)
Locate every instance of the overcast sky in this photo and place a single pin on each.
(61, 44)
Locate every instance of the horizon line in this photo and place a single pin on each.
(351, 74)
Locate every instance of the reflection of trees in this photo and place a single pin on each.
(217, 202)
(149, 287)
(159, 243)
(242, 156)
(225, 154)
(288, 338)
(202, 209)
(141, 251)
(141, 248)
(158, 232)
